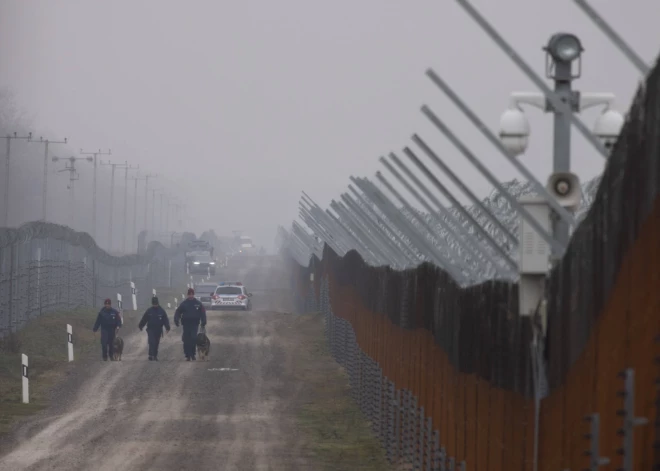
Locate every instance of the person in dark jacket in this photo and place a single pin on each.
(109, 321)
(190, 314)
(155, 318)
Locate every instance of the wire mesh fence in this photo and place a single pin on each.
(453, 377)
(46, 268)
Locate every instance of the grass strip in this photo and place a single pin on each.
(339, 434)
(44, 341)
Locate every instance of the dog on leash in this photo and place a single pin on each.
(203, 346)
(118, 348)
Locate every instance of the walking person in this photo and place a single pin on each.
(155, 318)
(190, 314)
(109, 321)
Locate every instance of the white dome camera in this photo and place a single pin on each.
(514, 131)
(607, 127)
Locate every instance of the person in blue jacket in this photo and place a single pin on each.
(190, 314)
(109, 321)
(155, 318)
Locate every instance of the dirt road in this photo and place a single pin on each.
(234, 412)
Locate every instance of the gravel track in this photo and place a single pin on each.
(177, 415)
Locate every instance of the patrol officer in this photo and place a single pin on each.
(109, 321)
(190, 314)
(155, 318)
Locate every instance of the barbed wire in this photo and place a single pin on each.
(46, 268)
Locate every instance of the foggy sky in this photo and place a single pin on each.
(244, 104)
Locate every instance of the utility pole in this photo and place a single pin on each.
(135, 193)
(153, 210)
(124, 230)
(177, 217)
(146, 199)
(44, 202)
(112, 197)
(95, 156)
(160, 217)
(9, 137)
(172, 209)
(73, 176)
(167, 215)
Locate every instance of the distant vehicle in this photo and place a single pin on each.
(198, 248)
(245, 246)
(199, 245)
(201, 264)
(204, 291)
(231, 295)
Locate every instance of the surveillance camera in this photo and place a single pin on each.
(514, 131)
(608, 126)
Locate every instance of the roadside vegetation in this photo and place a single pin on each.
(44, 341)
(340, 436)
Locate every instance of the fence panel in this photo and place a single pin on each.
(45, 267)
(503, 392)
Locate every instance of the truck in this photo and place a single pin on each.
(198, 248)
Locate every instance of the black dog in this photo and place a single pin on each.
(203, 346)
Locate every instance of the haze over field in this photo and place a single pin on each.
(240, 105)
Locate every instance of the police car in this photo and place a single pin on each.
(231, 295)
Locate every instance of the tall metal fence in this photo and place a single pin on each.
(45, 267)
(453, 377)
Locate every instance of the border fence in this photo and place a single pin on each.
(453, 377)
(46, 267)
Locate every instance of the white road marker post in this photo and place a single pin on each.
(120, 307)
(69, 331)
(134, 296)
(26, 384)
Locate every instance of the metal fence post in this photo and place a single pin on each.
(629, 419)
(94, 283)
(68, 284)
